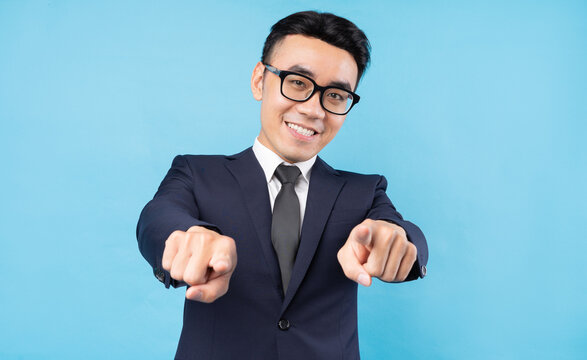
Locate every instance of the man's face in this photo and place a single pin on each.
(287, 125)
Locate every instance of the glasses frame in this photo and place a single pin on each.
(284, 73)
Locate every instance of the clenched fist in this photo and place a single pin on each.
(203, 259)
(377, 248)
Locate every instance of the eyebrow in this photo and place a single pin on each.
(305, 71)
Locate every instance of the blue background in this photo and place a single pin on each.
(475, 112)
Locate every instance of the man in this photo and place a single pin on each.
(272, 241)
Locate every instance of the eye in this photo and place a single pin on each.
(335, 96)
(298, 83)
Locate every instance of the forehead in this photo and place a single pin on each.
(326, 63)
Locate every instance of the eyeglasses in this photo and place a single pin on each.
(298, 87)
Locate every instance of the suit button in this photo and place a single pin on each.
(283, 324)
(160, 274)
(424, 270)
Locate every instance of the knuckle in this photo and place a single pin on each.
(369, 269)
(404, 246)
(204, 238)
(395, 277)
(412, 250)
(192, 278)
(173, 237)
(389, 274)
(380, 271)
(231, 260)
(223, 289)
(348, 274)
(412, 259)
(368, 221)
(339, 255)
(189, 279)
(227, 243)
(232, 244)
(176, 233)
(177, 275)
(196, 240)
(386, 278)
(346, 271)
(401, 240)
(387, 232)
(166, 264)
(374, 269)
(386, 238)
(394, 231)
(181, 240)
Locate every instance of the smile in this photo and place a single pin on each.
(301, 130)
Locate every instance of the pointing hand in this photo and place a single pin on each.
(377, 248)
(203, 259)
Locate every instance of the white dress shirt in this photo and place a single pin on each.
(270, 161)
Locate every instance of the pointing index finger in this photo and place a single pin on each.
(362, 234)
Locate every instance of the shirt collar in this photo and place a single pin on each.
(270, 161)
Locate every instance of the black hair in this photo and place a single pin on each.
(334, 30)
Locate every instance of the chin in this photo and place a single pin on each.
(296, 152)
(296, 157)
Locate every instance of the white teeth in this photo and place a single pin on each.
(301, 130)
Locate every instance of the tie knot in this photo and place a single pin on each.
(287, 174)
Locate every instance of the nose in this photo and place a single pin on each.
(311, 107)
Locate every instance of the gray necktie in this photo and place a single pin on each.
(285, 226)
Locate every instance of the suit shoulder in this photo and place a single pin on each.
(358, 177)
(197, 163)
(210, 159)
(204, 159)
(351, 176)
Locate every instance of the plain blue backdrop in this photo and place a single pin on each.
(476, 109)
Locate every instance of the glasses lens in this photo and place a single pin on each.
(336, 100)
(297, 87)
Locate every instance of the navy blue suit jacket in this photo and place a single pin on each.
(229, 194)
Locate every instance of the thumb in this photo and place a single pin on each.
(210, 291)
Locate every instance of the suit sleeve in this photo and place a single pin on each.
(383, 209)
(172, 208)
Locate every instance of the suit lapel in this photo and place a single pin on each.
(325, 185)
(248, 173)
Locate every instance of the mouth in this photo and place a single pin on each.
(301, 130)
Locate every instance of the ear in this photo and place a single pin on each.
(257, 81)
